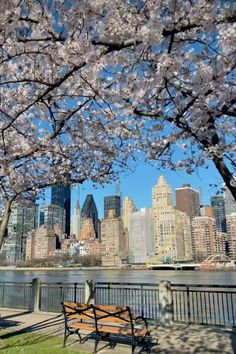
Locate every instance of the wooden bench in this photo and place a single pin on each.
(111, 323)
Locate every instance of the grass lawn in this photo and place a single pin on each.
(30, 343)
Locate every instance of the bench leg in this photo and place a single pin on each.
(133, 348)
(96, 344)
(80, 338)
(65, 339)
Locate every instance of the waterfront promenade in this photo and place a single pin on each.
(172, 339)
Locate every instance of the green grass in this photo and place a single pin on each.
(30, 343)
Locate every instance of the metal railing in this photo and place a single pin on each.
(203, 304)
(142, 298)
(211, 304)
(51, 295)
(15, 295)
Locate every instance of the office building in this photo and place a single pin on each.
(128, 209)
(87, 231)
(231, 234)
(52, 215)
(171, 227)
(141, 236)
(207, 210)
(203, 237)
(61, 196)
(221, 242)
(188, 200)
(11, 250)
(76, 221)
(112, 203)
(218, 205)
(112, 241)
(230, 203)
(89, 211)
(22, 220)
(41, 243)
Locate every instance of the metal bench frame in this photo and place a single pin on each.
(96, 314)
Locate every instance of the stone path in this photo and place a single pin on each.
(172, 339)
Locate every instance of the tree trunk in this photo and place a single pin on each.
(4, 221)
(225, 174)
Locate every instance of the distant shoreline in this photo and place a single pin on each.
(57, 269)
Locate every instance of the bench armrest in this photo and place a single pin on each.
(138, 318)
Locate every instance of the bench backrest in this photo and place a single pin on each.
(98, 313)
(77, 311)
(113, 314)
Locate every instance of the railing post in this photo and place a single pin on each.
(75, 292)
(142, 307)
(188, 304)
(166, 302)
(35, 295)
(89, 292)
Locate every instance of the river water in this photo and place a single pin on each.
(120, 275)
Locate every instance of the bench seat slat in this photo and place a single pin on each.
(83, 325)
(111, 329)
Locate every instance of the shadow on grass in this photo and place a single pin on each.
(44, 325)
(12, 337)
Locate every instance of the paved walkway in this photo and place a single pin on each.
(174, 339)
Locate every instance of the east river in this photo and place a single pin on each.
(120, 275)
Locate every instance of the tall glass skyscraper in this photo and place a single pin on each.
(112, 203)
(61, 195)
(218, 204)
(89, 211)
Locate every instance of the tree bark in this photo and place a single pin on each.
(4, 221)
(225, 174)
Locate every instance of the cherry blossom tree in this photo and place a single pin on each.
(54, 125)
(87, 84)
(178, 79)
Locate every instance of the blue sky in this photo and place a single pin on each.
(138, 185)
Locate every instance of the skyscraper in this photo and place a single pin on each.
(188, 200)
(230, 203)
(141, 236)
(231, 234)
(127, 210)
(76, 221)
(61, 195)
(112, 240)
(203, 237)
(112, 203)
(22, 220)
(52, 215)
(89, 211)
(171, 227)
(218, 205)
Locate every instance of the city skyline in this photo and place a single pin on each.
(138, 185)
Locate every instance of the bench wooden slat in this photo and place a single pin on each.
(85, 317)
(112, 329)
(110, 308)
(83, 325)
